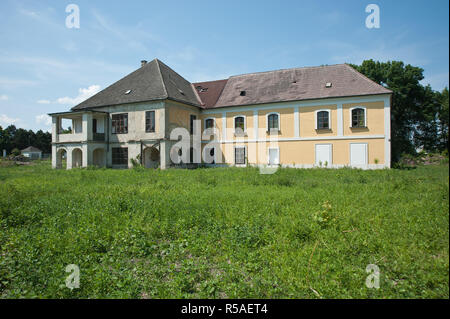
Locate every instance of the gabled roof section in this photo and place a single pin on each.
(210, 91)
(295, 85)
(151, 82)
(31, 149)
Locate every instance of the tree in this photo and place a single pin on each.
(415, 108)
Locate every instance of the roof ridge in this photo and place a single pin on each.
(162, 78)
(287, 69)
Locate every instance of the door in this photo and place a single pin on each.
(274, 156)
(323, 154)
(358, 154)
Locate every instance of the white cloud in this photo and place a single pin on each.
(43, 102)
(3, 97)
(44, 119)
(5, 120)
(83, 94)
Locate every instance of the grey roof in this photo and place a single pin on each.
(297, 84)
(153, 81)
(31, 149)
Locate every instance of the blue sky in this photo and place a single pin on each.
(47, 67)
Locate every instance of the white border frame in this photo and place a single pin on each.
(350, 154)
(331, 154)
(365, 115)
(329, 119)
(267, 121)
(268, 155)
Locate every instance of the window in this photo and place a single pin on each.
(273, 122)
(239, 124)
(239, 155)
(323, 122)
(150, 121)
(119, 123)
(243, 93)
(358, 117)
(192, 119)
(94, 125)
(120, 156)
(209, 123)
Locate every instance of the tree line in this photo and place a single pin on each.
(419, 115)
(18, 138)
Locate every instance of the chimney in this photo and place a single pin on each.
(143, 62)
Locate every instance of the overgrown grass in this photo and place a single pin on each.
(224, 232)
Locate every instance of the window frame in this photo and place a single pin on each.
(207, 119)
(114, 129)
(154, 121)
(351, 116)
(245, 123)
(122, 149)
(316, 117)
(245, 155)
(278, 120)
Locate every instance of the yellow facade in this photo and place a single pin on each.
(298, 134)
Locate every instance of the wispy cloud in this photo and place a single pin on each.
(44, 119)
(6, 120)
(83, 94)
(4, 97)
(43, 102)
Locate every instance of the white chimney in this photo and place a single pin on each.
(143, 62)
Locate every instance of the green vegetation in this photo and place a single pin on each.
(224, 232)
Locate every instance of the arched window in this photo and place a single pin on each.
(358, 117)
(239, 124)
(323, 120)
(273, 121)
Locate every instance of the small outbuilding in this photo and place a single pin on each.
(32, 152)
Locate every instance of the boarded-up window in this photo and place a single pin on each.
(119, 123)
(150, 121)
(120, 156)
(239, 155)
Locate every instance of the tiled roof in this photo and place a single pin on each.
(295, 85)
(153, 81)
(156, 81)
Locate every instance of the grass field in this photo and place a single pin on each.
(224, 232)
